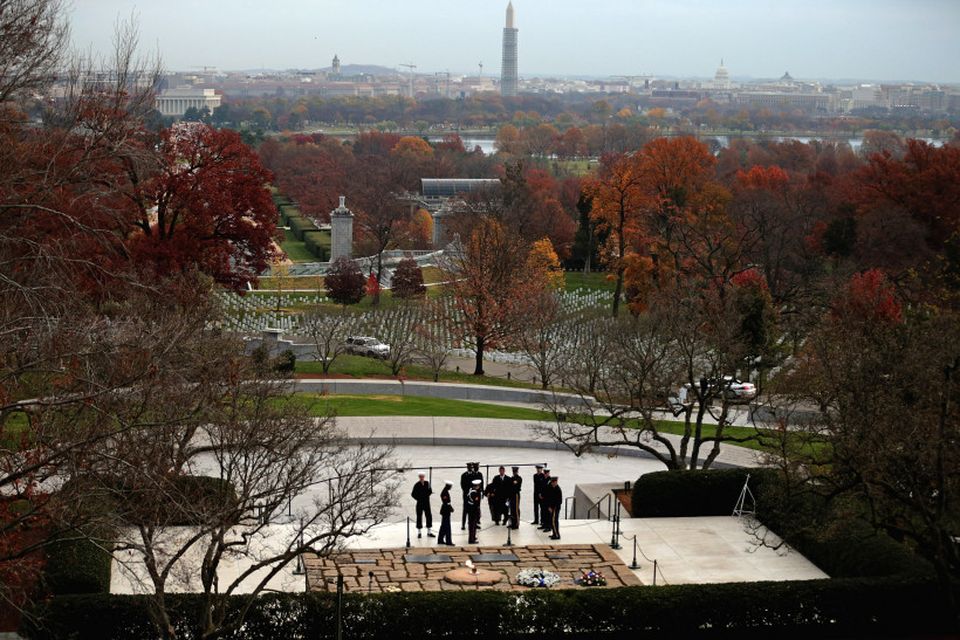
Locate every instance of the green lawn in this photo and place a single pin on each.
(594, 281)
(12, 430)
(362, 367)
(295, 249)
(388, 405)
(395, 405)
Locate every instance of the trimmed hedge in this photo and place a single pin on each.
(849, 548)
(318, 243)
(713, 492)
(299, 226)
(815, 608)
(75, 564)
(78, 565)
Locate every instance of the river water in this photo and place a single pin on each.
(486, 144)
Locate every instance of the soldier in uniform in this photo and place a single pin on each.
(474, 498)
(465, 479)
(446, 508)
(544, 506)
(537, 488)
(556, 501)
(477, 475)
(421, 493)
(516, 483)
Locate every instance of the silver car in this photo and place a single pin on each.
(367, 346)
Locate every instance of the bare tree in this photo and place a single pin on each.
(35, 36)
(328, 331)
(265, 454)
(432, 336)
(543, 338)
(396, 328)
(591, 351)
(651, 359)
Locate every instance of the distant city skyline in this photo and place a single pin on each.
(892, 40)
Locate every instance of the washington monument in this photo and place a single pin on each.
(508, 67)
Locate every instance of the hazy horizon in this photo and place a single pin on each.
(886, 40)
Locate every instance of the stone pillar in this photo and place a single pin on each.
(437, 239)
(341, 231)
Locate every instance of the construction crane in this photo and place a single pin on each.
(411, 66)
(481, 69)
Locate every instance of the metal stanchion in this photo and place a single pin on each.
(654, 573)
(634, 565)
(509, 542)
(408, 532)
(300, 569)
(339, 606)
(615, 535)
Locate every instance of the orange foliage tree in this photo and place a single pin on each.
(490, 281)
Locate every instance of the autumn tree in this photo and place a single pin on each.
(618, 199)
(381, 216)
(407, 280)
(886, 384)
(344, 281)
(771, 204)
(544, 263)
(490, 284)
(35, 35)
(208, 207)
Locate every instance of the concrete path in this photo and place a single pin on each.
(484, 432)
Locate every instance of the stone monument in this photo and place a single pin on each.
(341, 231)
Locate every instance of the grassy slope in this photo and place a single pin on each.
(361, 367)
(591, 281)
(392, 405)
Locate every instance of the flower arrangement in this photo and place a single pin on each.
(591, 578)
(537, 578)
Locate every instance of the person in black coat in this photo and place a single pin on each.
(465, 479)
(544, 503)
(537, 489)
(500, 485)
(513, 503)
(446, 508)
(421, 493)
(555, 498)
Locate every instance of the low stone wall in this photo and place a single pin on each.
(450, 391)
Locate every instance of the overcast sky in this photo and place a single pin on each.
(866, 39)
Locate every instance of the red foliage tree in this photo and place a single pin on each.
(408, 279)
(208, 208)
(344, 282)
(868, 299)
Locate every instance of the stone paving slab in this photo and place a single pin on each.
(394, 571)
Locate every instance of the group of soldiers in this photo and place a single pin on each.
(503, 499)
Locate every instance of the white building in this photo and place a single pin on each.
(175, 102)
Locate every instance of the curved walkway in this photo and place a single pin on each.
(484, 432)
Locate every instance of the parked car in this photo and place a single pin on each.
(735, 391)
(367, 346)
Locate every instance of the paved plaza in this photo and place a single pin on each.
(687, 550)
(379, 570)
